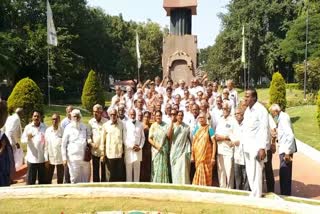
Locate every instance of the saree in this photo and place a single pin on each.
(180, 154)
(160, 171)
(202, 154)
(145, 166)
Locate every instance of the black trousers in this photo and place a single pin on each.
(97, 165)
(66, 175)
(269, 172)
(240, 176)
(116, 169)
(60, 173)
(285, 175)
(36, 170)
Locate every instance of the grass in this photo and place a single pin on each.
(294, 96)
(305, 125)
(76, 205)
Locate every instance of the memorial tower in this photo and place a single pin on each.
(179, 58)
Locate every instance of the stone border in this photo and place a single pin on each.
(76, 191)
(308, 151)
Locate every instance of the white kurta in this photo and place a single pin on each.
(35, 148)
(13, 130)
(286, 140)
(53, 145)
(255, 137)
(134, 135)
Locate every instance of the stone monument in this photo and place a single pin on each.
(179, 58)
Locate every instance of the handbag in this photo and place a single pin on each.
(87, 153)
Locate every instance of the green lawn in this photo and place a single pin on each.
(294, 96)
(305, 124)
(92, 205)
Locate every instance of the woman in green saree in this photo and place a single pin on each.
(179, 135)
(160, 172)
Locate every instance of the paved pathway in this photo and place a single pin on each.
(306, 176)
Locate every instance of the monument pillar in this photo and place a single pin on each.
(179, 58)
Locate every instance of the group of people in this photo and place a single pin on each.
(164, 132)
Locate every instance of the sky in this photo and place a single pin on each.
(206, 24)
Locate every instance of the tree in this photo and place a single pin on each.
(277, 92)
(27, 95)
(313, 74)
(92, 92)
(318, 103)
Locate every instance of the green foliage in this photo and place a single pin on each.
(293, 46)
(313, 74)
(27, 95)
(318, 104)
(292, 86)
(278, 91)
(92, 92)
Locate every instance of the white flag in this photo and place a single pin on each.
(243, 55)
(138, 51)
(51, 31)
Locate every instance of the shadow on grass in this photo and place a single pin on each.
(294, 119)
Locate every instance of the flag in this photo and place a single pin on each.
(51, 31)
(138, 51)
(243, 54)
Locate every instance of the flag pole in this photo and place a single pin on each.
(243, 59)
(49, 98)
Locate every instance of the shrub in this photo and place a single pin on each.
(27, 95)
(277, 91)
(292, 86)
(318, 103)
(92, 92)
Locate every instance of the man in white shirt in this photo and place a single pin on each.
(180, 89)
(74, 143)
(255, 140)
(53, 155)
(224, 132)
(240, 174)
(112, 141)
(33, 135)
(95, 130)
(66, 121)
(217, 112)
(134, 141)
(13, 128)
(287, 146)
(128, 98)
(117, 97)
(233, 94)
(166, 117)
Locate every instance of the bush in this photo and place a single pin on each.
(27, 95)
(92, 92)
(292, 86)
(318, 103)
(277, 91)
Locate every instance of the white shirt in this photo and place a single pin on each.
(35, 147)
(255, 129)
(233, 97)
(160, 89)
(195, 90)
(179, 91)
(226, 127)
(53, 145)
(13, 129)
(134, 135)
(286, 140)
(65, 122)
(95, 132)
(238, 150)
(166, 118)
(74, 142)
(216, 115)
